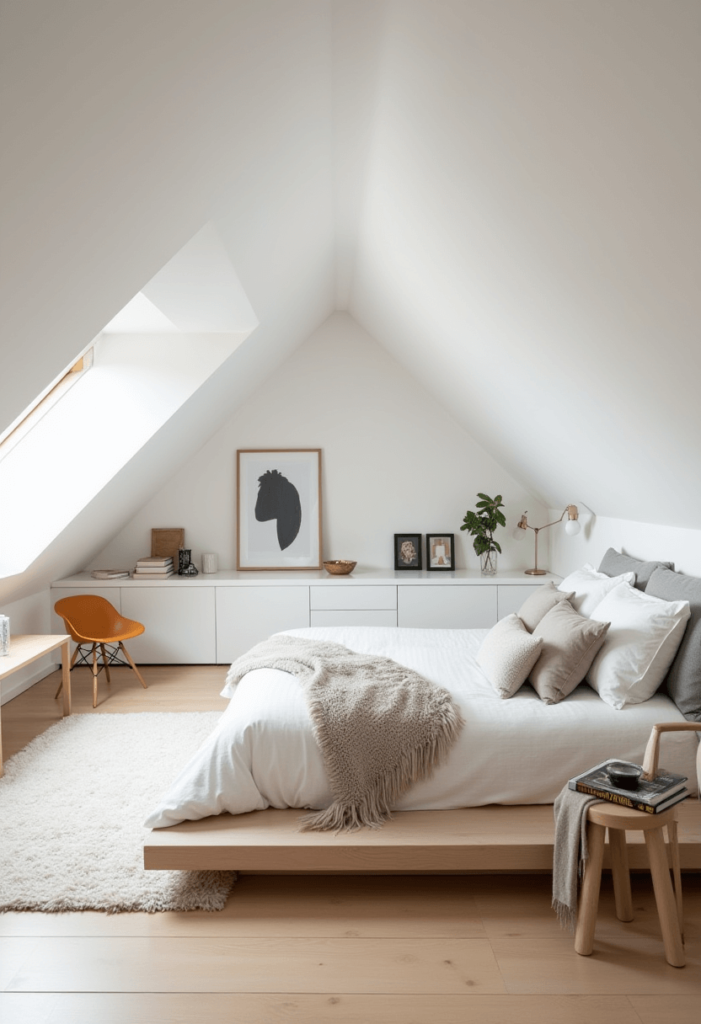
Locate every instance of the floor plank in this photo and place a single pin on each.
(631, 964)
(295, 905)
(255, 965)
(291, 1008)
(667, 1009)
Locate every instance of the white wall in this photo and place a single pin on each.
(28, 615)
(393, 460)
(641, 540)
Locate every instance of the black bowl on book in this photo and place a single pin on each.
(623, 775)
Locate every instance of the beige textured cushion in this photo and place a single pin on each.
(539, 604)
(508, 654)
(570, 644)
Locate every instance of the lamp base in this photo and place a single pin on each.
(536, 572)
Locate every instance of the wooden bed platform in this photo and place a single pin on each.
(481, 839)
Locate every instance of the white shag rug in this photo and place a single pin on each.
(72, 807)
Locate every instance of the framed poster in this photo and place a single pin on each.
(407, 551)
(278, 521)
(439, 551)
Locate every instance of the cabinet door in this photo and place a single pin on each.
(179, 624)
(247, 615)
(450, 606)
(511, 598)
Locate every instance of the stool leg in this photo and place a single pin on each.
(677, 871)
(664, 897)
(621, 874)
(589, 896)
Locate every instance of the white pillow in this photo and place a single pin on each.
(640, 645)
(590, 587)
(507, 655)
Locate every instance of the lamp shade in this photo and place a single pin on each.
(572, 527)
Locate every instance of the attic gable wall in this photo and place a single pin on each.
(392, 460)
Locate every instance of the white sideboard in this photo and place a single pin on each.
(212, 619)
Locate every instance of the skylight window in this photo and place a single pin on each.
(44, 402)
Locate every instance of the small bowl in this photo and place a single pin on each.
(340, 567)
(625, 776)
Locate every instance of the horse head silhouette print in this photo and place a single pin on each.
(279, 499)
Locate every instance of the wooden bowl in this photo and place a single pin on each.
(340, 567)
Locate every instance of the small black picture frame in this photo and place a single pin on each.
(440, 552)
(407, 551)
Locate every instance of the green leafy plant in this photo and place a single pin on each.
(482, 524)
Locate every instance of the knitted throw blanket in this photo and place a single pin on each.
(570, 852)
(379, 726)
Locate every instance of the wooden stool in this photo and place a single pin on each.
(617, 820)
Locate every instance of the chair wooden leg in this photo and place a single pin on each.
(589, 896)
(621, 874)
(105, 663)
(60, 685)
(664, 897)
(94, 675)
(128, 657)
(677, 872)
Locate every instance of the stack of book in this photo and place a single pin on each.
(110, 574)
(663, 792)
(153, 568)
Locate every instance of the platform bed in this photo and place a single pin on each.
(481, 839)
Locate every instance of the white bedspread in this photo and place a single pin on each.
(519, 751)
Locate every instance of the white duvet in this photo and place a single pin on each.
(518, 751)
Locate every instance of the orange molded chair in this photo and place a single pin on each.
(92, 620)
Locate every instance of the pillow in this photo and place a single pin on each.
(508, 654)
(614, 563)
(683, 682)
(570, 644)
(641, 643)
(539, 604)
(590, 587)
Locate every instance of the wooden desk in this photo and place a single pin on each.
(26, 649)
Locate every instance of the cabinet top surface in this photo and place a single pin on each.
(319, 577)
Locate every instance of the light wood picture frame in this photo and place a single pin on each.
(278, 509)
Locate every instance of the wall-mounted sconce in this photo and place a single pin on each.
(572, 526)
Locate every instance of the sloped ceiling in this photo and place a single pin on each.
(504, 194)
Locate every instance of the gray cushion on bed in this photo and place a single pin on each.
(683, 682)
(614, 563)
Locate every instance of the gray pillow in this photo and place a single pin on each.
(570, 644)
(683, 682)
(539, 604)
(508, 654)
(614, 563)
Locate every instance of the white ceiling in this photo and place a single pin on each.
(504, 194)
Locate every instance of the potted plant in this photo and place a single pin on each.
(481, 525)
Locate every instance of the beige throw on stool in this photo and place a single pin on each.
(570, 852)
(379, 726)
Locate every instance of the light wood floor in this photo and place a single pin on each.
(401, 950)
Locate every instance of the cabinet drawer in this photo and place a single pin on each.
(340, 597)
(447, 607)
(352, 617)
(511, 598)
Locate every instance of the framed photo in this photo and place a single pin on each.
(278, 497)
(440, 551)
(407, 551)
